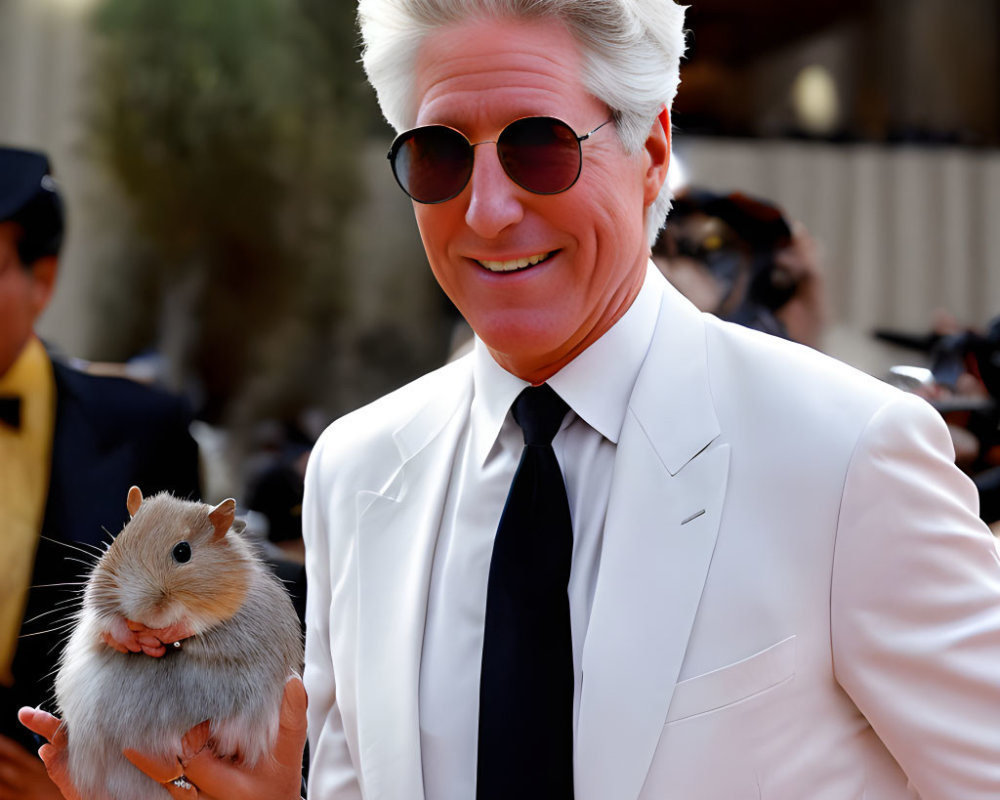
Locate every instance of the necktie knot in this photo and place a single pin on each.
(10, 411)
(539, 411)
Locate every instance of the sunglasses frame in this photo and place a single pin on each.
(405, 136)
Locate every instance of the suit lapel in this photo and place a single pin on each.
(397, 532)
(663, 516)
(79, 507)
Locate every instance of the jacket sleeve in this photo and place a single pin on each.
(915, 605)
(332, 773)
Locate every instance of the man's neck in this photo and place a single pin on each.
(538, 368)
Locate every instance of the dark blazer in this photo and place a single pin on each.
(110, 433)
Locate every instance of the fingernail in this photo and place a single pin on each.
(195, 740)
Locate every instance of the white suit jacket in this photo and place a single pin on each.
(796, 600)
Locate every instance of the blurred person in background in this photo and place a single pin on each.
(962, 381)
(274, 487)
(738, 257)
(71, 445)
(275, 483)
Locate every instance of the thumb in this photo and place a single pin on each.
(292, 724)
(43, 723)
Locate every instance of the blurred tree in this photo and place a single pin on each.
(233, 128)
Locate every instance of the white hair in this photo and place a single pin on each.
(631, 55)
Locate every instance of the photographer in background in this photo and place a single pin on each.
(962, 381)
(737, 257)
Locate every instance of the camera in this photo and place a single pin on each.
(734, 238)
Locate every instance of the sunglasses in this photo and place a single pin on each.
(433, 164)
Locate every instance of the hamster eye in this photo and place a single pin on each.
(182, 552)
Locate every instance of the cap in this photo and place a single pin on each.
(21, 176)
(760, 223)
(29, 196)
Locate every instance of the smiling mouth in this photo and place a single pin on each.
(515, 265)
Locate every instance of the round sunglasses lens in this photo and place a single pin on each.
(541, 154)
(432, 164)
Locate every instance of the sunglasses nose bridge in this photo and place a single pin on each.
(496, 161)
(474, 145)
(486, 163)
(504, 166)
(493, 202)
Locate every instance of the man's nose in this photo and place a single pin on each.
(494, 201)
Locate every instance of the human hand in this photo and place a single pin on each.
(199, 774)
(127, 636)
(52, 754)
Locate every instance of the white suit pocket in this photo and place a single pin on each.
(733, 683)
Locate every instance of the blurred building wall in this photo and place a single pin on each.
(942, 63)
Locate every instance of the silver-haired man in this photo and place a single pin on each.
(776, 584)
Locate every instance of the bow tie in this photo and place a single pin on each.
(10, 411)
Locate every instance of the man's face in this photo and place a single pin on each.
(23, 295)
(478, 77)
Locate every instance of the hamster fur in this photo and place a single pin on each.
(247, 642)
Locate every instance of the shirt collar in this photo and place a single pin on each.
(29, 370)
(596, 385)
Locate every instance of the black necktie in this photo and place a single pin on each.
(10, 411)
(526, 689)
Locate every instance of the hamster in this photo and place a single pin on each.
(175, 561)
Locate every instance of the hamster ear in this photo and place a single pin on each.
(222, 517)
(134, 500)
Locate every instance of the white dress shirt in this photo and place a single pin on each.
(596, 385)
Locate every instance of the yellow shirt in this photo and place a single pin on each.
(25, 461)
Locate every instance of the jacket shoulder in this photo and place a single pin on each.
(367, 433)
(767, 376)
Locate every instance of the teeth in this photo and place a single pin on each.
(510, 266)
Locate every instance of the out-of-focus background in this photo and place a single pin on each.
(235, 232)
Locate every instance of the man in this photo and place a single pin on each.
(71, 444)
(776, 585)
(779, 587)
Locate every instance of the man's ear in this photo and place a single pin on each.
(658, 154)
(43, 276)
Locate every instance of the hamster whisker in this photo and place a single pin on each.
(80, 583)
(81, 547)
(58, 645)
(57, 629)
(48, 613)
(89, 564)
(68, 602)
